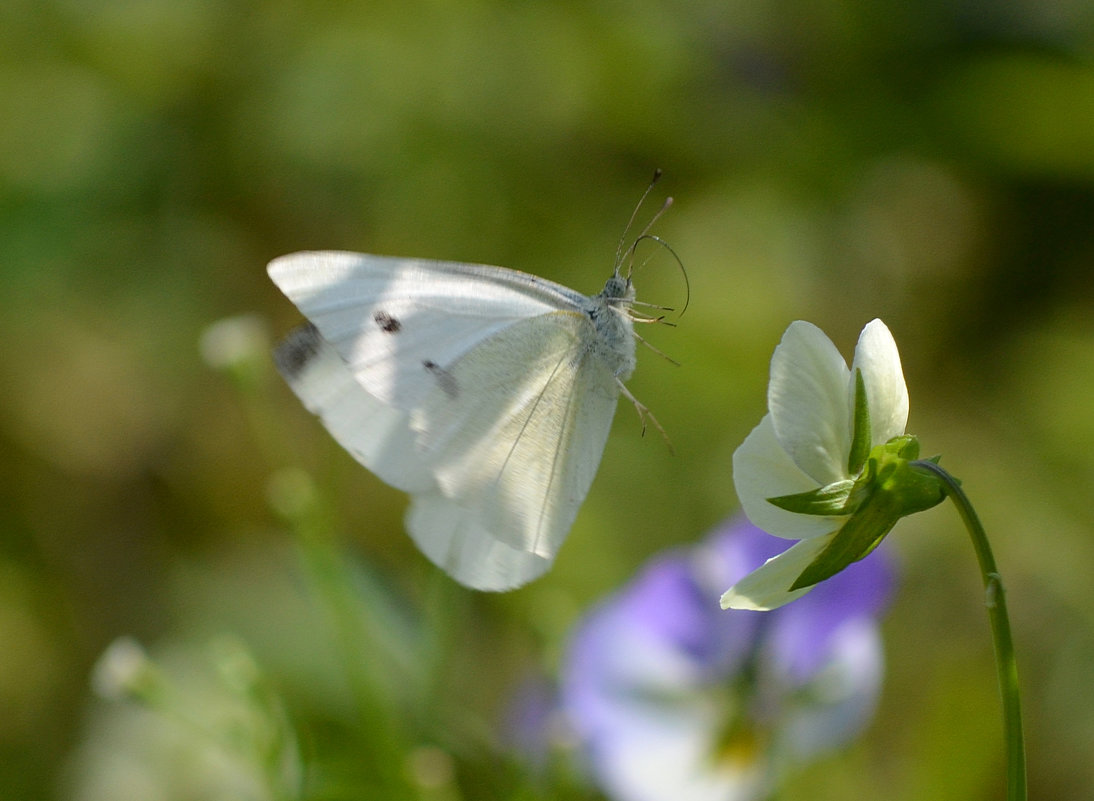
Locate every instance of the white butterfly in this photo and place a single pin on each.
(487, 394)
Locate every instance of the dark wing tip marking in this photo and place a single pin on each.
(445, 380)
(387, 323)
(297, 350)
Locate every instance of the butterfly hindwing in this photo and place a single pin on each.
(376, 434)
(513, 450)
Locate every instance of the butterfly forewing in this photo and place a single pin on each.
(388, 317)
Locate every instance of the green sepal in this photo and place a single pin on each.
(889, 489)
(859, 535)
(911, 490)
(833, 499)
(902, 448)
(860, 434)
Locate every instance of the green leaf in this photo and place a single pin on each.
(860, 437)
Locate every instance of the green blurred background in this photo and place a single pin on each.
(931, 164)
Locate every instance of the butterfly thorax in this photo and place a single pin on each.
(609, 312)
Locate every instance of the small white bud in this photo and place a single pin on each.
(122, 671)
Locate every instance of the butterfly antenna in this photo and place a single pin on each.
(623, 239)
(679, 263)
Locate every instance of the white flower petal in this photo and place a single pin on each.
(807, 399)
(767, 587)
(678, 761)
(877, 357)
(762, 470)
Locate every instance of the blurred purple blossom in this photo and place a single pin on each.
(670, 697)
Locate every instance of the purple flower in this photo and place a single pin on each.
(672, 698)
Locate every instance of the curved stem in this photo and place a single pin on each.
(995, 600)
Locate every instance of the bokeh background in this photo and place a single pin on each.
(930, 163)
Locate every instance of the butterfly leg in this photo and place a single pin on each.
(658, 351)
(644, 414)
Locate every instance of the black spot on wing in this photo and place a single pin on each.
(297, 350)
(445, 380)
(387, 323)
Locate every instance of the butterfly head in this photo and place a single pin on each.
(618, 288)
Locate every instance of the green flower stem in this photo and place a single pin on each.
(1000, 628)
(331, 577)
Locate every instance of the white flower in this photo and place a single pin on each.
(204, 724)
(811, 450)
